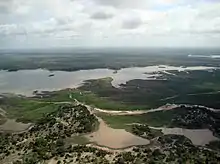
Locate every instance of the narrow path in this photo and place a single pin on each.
(136, 112)
(169, 98)
(2, 112)
(109, 149)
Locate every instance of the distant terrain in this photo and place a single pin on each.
(81, 59)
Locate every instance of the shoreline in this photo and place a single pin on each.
(144, 73)
(101, 67)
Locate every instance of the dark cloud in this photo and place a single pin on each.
(101, 15)
(131, 23)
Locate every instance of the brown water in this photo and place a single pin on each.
(197, 136)
(115, 138)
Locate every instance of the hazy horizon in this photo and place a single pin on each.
(112, 49)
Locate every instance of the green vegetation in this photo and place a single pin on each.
(168, 149)
(200, 87)
(56, 96)
(59, 125)
(25, 109)
(182, 117)
(120, 121)
(186, 117)
(155, 119)
(87, 97)
(3, 119)
(214, 145)
(144, 131)
(99, 102)
(182, 150)
(57, 136)
(46, 139)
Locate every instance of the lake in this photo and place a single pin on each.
(26, 81)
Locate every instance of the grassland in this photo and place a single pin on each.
(155, 119)
(89, 98)
(25, 109)
(121, 122)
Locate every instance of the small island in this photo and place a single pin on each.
(51, 75)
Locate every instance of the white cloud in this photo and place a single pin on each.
(111, 22)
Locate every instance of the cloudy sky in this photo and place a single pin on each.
(104, 23)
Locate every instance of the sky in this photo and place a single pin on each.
(109, 23)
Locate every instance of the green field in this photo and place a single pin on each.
(121, 122)
(89, 98)
(156, 119)
(25, 109)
